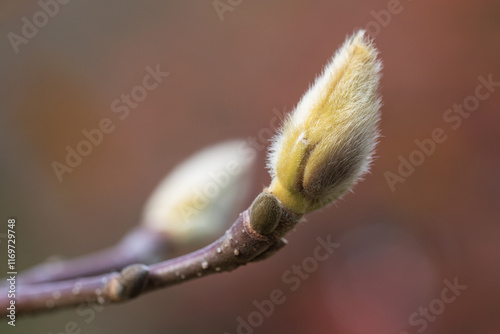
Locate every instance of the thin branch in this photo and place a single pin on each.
(241, 244)
(141, 245)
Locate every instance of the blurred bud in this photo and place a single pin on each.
(326, 144)
(196, 200)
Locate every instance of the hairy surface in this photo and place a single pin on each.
(201, 193)
(327, 142)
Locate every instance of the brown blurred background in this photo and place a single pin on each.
(226, 76)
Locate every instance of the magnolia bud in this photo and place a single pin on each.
(198, 197)
(327, 142)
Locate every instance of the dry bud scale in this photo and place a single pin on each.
(327, 142)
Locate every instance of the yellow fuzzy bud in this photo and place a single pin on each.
(326, 144)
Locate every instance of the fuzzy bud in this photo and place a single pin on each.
(326, 144)
(197, 198)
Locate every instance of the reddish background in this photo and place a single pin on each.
(396, 248)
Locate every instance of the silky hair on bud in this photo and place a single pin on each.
(326, 143)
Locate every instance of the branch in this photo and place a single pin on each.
(244, 242)
(141, 245)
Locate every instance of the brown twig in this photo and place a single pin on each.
(141, 245)
(250, 238)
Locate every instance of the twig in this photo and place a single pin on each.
(141, 245)
(244, 242)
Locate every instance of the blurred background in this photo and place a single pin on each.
(232, 63)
